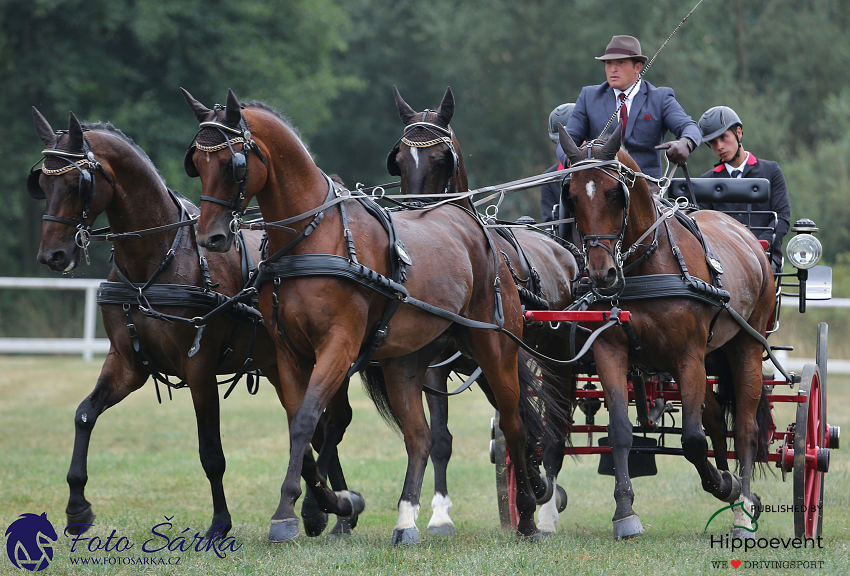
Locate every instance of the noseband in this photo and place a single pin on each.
(88, 166)
(239, 162)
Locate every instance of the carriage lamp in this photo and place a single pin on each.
(804, 250)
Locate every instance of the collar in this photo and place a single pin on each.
(750, 161)
(631, 95)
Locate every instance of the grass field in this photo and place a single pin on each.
(143, 466)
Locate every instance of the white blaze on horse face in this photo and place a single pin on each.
(407, 515)
(415, 153)
(591, 189)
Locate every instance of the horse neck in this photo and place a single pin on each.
(642, 215)
(294, 186)
(140, 201)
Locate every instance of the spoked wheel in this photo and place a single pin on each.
(811, 459)
(821, 359)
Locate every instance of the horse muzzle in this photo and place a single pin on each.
(60, 260)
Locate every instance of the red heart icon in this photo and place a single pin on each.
(735, 563)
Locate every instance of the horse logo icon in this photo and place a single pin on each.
(29, 542)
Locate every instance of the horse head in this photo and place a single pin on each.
(227, 154)
(427, 157)
(602, 196)
(75, 197)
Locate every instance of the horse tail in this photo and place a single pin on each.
(542, 400)
(376, 388)
(764, 421)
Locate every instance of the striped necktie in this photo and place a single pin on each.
(624, 114)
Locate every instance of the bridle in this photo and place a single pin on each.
(440, 135)
(626, 177)
(239, 162)
(88, 167)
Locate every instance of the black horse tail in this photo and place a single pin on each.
(764, 420)
(542, 403)
(376, 388)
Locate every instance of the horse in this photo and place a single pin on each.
(672, 333)
(335, 291)
(92, 169)
(429, 160)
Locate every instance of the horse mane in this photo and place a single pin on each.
(280, 116)
(108, 128)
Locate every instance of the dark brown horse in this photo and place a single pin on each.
(614, 209)
(129, 189)
(322, 321)
(429, 160)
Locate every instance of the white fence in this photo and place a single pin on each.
(88, 345)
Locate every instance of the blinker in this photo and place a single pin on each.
(189, 164)
(33, 187)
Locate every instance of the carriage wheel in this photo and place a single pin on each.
(505, 476)
(811, 460)
(821, 359)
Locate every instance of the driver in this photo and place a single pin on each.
(722, 131)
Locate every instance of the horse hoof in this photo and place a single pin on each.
(314, 525)
(734, 488)
(342, 528)
(79, 523)
(405, 536)
(560, 498)
(284, 530)
(442, 530)
(548, 491)
(219, 529)
(358, 504)
(535, 536)
(741, 533)
(628, 527)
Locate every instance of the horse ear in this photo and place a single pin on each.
(568, 145)
(201, 111)
(612, 145)
(42, 127)
(233, 111)
(75, 134)
(405, 112)
(447, 107)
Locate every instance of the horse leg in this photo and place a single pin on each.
(553, 455)
(207, 414)
(304, 411)
(497, 357)
(690, 374)
(438, 406)
(752, 412)
(404, 377)
(611, 364)
(118, 378)
(714, 422)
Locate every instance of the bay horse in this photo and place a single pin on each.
(92, 169)
(428, 160)
(615, 214)
(323, 313)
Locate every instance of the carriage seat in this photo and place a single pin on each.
(729, 191)
(723, 190)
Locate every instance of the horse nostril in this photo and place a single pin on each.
(57, 257)
(611, 277)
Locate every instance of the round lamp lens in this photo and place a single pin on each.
(804, 251)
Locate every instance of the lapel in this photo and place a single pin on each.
(637, 110)
(750, 167)
(609, 106)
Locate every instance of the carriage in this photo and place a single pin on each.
(800, 450)
(465, 307)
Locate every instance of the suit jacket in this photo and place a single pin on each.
(779, 203)
(654, 112)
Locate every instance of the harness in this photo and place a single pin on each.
(146, 295)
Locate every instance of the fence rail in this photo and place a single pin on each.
(88, 345)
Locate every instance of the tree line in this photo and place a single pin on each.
(330, 67)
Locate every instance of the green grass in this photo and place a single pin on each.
(144, 466)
